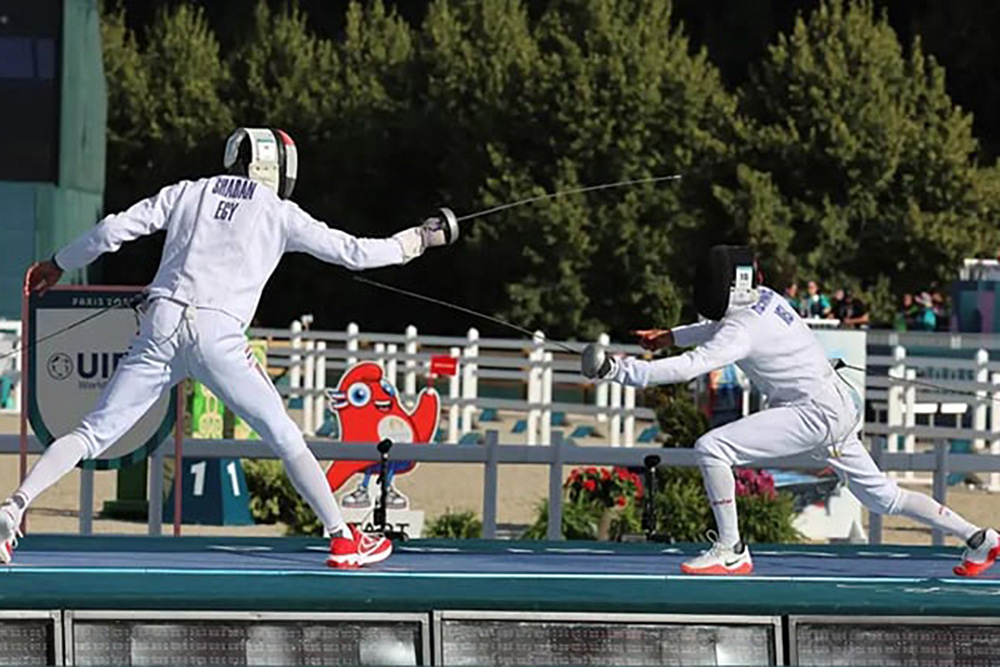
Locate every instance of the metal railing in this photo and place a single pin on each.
(492, 454)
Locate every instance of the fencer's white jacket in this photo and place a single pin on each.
(225, 236)
(769, 342)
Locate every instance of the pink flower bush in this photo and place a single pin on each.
(750, 482)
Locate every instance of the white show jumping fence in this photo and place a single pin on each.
(533, 368)
(904, 413)
(898, 396)
(901, 410)
(930, 377)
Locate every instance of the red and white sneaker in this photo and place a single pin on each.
(981, 551)
(721, 559)
(10, 530)
(358, 550)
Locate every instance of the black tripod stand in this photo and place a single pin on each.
(649, 500)
(381, 525)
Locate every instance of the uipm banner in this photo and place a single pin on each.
(68, 371)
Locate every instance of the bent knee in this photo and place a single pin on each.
(94, 446)
(883, 498)
(710, 450)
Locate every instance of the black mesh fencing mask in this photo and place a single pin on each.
(723, 271)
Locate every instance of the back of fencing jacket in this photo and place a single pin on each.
(225, 236)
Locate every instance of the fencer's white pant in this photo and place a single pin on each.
(827, 429)
(177, 341)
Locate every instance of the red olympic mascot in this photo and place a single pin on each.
(367, 409)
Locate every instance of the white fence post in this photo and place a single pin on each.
(295, 361)
(391, 362)
(353, 333)
(894, 410)
(547, 398)
(469, 383)
(319, 401)
(995, 429)
(979, 411)
(745, 390)
(601, 393)
(379, 349)
(453, 394)
(535, 360)
(410, 378)
(910, 419)
(308, 383)
(616, 417)
(629, 435)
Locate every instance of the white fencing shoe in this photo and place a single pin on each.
(357, 550)
(981, 551)
(10, 530)
(720, 559)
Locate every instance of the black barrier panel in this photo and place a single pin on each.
(249, 642)
(928, 643)
(577, 642)
(29, 641)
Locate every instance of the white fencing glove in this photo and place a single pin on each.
(440, 229)
(596, 363)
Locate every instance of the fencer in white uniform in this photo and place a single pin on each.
(810, 407)
(224, 237)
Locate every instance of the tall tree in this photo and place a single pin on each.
(167, 117)
(595, 91)
(857, 163)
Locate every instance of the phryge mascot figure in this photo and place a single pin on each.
(367, 408)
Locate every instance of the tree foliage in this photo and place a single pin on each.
(843, 157)
(857, 168)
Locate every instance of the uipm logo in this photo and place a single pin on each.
(59, 366)
(91, 367)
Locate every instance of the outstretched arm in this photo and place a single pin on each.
(684, 335)
(147, 216)
(728, 344)
(306, 234)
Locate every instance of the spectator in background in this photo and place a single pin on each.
(850, 311)
(926, 318)
(906, 315)
(792, 297)
(816, 303)
(941, 310)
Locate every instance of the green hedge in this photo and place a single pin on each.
(273, 499)
(455, 525)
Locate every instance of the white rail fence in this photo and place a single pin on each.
(904, 413)
(926, 388)
(933, 399)
(533, 369)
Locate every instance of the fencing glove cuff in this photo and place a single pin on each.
(440, 229)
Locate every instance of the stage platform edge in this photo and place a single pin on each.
(206, 600)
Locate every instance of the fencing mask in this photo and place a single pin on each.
(726, 276)
(265, 155)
